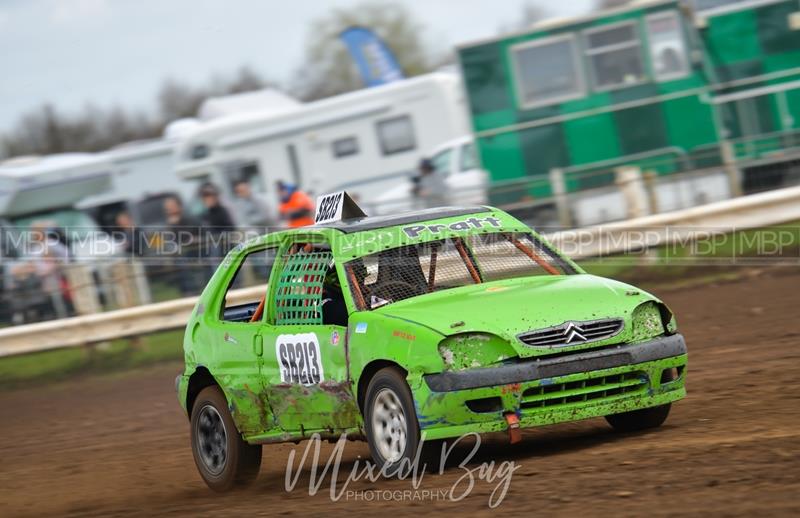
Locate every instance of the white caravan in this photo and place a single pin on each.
(45, 190)
(33, 185)
(365, 141)
(142, 173)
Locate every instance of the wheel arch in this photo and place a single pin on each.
(200, 379)
(368, 372)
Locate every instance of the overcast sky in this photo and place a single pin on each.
(69, 52)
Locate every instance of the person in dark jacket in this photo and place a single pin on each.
(217, 222)
(184, 230)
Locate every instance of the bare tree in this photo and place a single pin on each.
(246, 80)
(177, 100)
(328, 68)
(45, 130)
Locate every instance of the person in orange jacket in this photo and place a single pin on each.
(296, 208)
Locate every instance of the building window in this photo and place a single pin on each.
(345, 147)
(712, 6)
(547, 71)
(615, 56)
(667, 47)
(396, 135)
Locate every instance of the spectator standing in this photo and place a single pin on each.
(217, 221)
(49, 255)
(253, 212)
(430, 188)
(130, 234)
(296, 208)
(185, 230)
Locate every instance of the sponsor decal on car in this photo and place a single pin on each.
(361, 328)
(403, 335)
(414, 231)
(299, 358)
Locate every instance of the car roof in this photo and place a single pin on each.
(349, 226)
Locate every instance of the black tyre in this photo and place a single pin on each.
(639, 419)
(390, 421)
(223, 458)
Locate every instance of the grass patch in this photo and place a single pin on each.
(711, 257)
(117, 355)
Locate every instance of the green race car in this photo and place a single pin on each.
(428, 324)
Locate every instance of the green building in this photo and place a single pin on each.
(668, 86)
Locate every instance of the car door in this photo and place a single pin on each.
(305, 359)
(237, 339)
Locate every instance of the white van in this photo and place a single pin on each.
(363, 141)
(457, 161)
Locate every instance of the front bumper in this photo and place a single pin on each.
(552, 390)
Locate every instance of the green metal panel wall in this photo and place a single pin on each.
(601, 126)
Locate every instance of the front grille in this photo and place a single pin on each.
(572, 333)
(592, 389)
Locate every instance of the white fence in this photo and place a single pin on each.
(758, 210)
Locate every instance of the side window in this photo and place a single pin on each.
(615, 56)
(547, 71)
(344, 147)
(199, 151)
(441, 161)
(299, 293)
(469, 160)
(396, 135)
(254, 271)
(667, 47)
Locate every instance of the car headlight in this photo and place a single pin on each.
(652, 319)
(473, 350)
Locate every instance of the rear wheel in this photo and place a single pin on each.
(223, 458)
(390, 421)
(639, 419)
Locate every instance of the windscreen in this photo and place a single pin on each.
(409, 271)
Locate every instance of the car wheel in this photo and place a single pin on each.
(390, 421)
(223, 458)
(639, 419)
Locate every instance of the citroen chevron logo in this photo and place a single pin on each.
(573, 333)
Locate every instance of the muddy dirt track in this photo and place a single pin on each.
(118, 444)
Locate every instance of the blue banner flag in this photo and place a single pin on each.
(375, 61)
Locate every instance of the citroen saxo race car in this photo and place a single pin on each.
(435, 323)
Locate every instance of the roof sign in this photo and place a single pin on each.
(336, 206)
